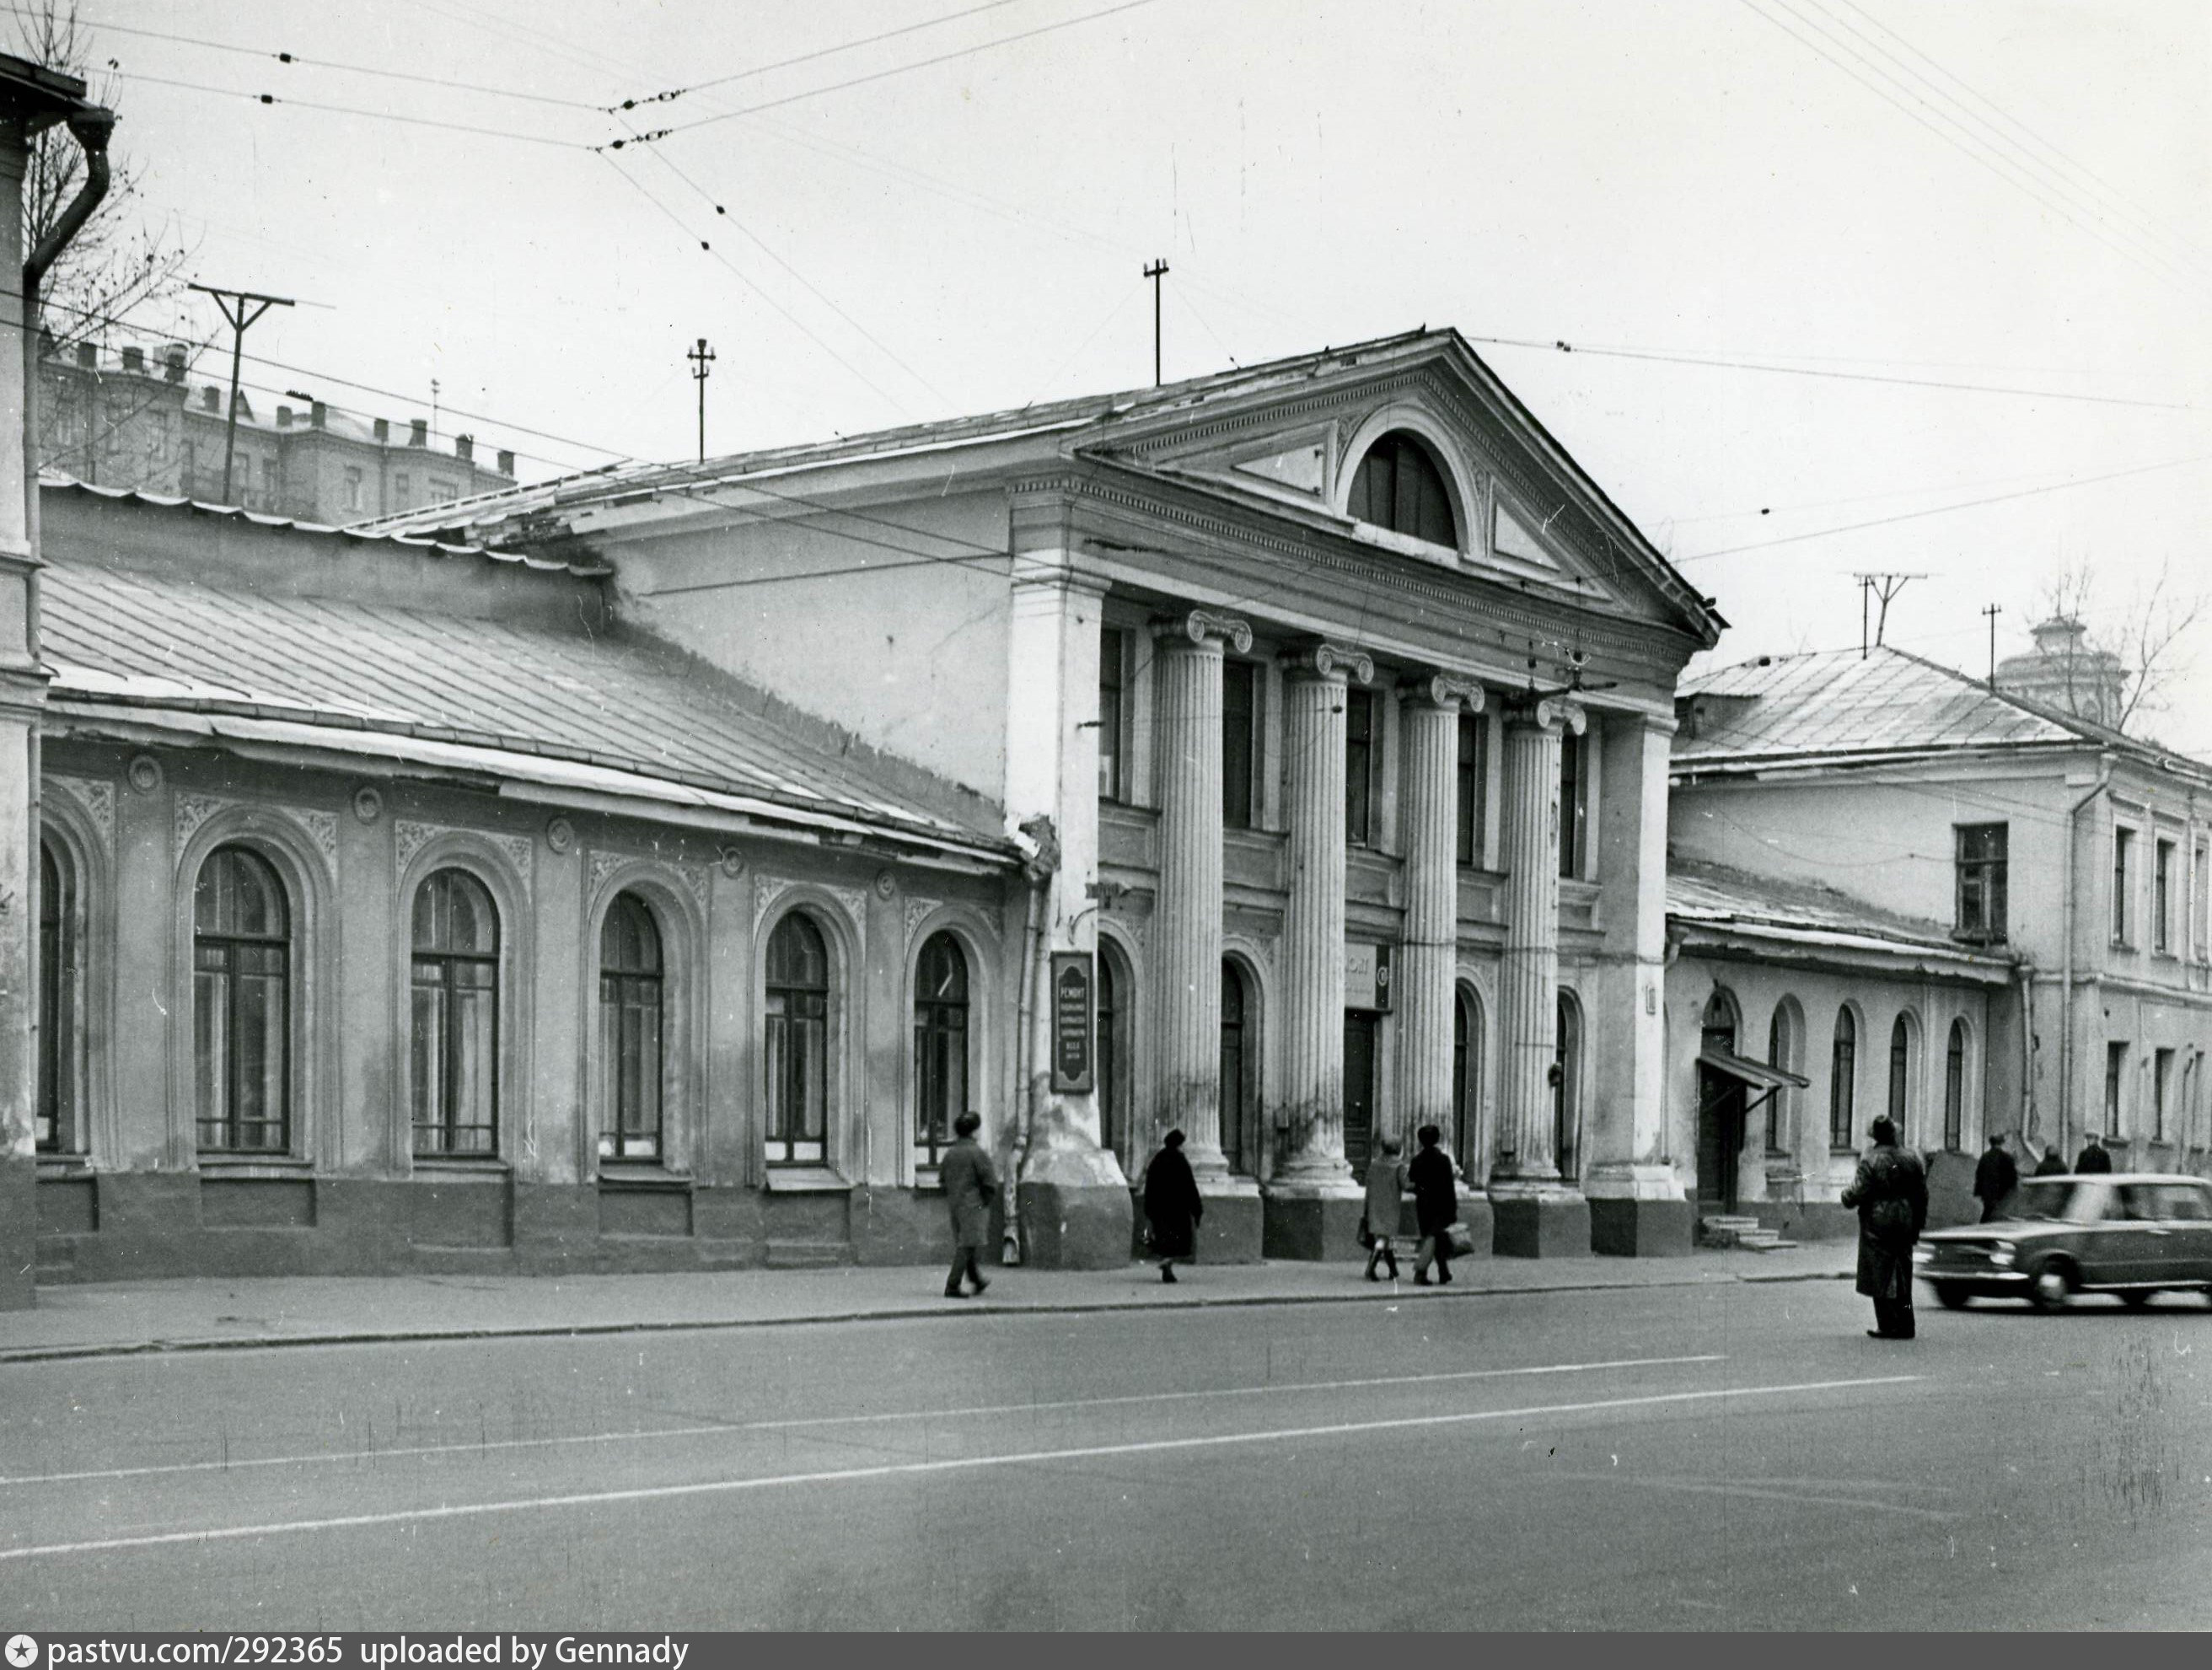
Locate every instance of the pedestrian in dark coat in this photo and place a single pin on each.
(2095, 1158)
(1436, 1206)
(1890, 1194)
(1994, 1178)
(1172, 1206)
(970, 1185)
(2052, 1165)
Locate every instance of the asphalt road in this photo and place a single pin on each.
(1713, 1458)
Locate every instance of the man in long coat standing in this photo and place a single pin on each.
(970, 1185)
(1890, 1194)
(1436, 1204)
(1994, 1178)
(1172, 1206)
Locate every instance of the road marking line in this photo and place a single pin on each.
(1707, 1487)
(906, 1469)
(798, 1422)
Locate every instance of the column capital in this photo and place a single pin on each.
(1336, 662)
(1201, 625)
(1445, 689)
(1549, 712)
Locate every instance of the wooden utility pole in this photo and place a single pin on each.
(702, 358)
(1993, 613)
(1156, 271)
(233, 304)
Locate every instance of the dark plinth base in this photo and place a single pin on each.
(1077, 1226)
(19, 1231)
(1301, 1226)
(1540, 1227)
(1643, 1228)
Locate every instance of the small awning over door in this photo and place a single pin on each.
(1757, 1074)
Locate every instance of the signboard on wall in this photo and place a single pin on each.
(1073, 1071)
(1366, 975)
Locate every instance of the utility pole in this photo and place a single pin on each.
(1884, 586)
(702, 358)
(239, 319)
(1993, 613)
(1157, 271)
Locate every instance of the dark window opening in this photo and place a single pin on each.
(1900, 1074)
(1399, 485)
(57, 1131)
(1237, 1069)
(241, 1006)
(1359, 767)
(1574, 802)
(1473, 776)
(1954, 1089)
(1981, 849)
(1112, 647)
(1239, 733)
(632, 1007)
(453, 998)
(796, 1047)
(941, 1045)
(1843, 1080)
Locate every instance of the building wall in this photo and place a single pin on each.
(134, 1195)
(1795, 1184)
(908, 652)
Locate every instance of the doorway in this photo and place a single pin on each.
(1358, 1088)
(1720, 1109)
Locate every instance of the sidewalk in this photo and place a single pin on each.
(121, 1319)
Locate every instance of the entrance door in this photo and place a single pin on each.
(1358, 1088)
(1720, 1113)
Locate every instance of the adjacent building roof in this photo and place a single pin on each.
(1837, 706)
(1714, 906)
(617, 715)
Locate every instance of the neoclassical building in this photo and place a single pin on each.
(1326, 703)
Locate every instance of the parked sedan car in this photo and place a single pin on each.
(2131, 1235)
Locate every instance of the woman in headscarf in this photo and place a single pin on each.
(1172, 1204)
(1890, 1194)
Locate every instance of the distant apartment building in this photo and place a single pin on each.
(132, 421)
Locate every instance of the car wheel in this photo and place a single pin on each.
(2136, 1297)
(2051, 1287)
(1950, 1296)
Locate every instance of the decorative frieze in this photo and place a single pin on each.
(192, 811)
(97, 796)
(323, 828)
(917, 911)
(408, 839)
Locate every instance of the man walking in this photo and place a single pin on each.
(2094, 1159)
(1890, 1194)
(970, 1185)
(1994, 1178)
(1436, 1206)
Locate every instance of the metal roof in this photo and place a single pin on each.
(617, 713)
(1837, 704)
(1811, 917)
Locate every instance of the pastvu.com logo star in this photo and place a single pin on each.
(22, 1652)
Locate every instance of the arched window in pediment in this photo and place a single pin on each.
(1399, 485)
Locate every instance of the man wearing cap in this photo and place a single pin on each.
(2093, 1159)
(970, 1186)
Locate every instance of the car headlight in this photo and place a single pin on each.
(2001, 1259)
(1924, 1254)
(2007, 1247)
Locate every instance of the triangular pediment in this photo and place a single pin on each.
(1520, 511)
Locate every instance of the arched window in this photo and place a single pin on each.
(455, 992)
(1954, 1089)
(1112, 1080)
(1783, 1046)
(632, 993)
(1399, 485)
(57, 1132)
(1566, 1085)
(1239, 1074)
(1466, 1083)
(1900, 1074)
(1843, 1080)
(797, 1044)
(241, 1004)
(940, 1045)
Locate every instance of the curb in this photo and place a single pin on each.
(1064, 1307)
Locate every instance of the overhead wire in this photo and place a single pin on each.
(290, 58)
(1945, 510)
(355, 110)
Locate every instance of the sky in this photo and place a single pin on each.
(1851, 286)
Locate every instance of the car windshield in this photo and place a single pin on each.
(2060, 1200)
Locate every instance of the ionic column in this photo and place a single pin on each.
(1428, 956)
(1528, 978)
(1312, 1092)
(1187, 908)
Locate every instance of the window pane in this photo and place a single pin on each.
(211, 1052)
(1238, 704)
(1468, 815)
(1111, 648)
(427, 1052)
(1359, 763)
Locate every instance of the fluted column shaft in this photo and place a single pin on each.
(1529, 980)
(1186, 908)
(1312, 1095)
(1428, 956)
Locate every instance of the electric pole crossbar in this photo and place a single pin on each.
(702, 358)
(233, 306)
(1156, 271)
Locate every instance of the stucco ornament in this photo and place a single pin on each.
(733, 862)
(367, 804)
(886, 884)
(145, 773)
(1327, 660)
(1201, 625)
(560, 834)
